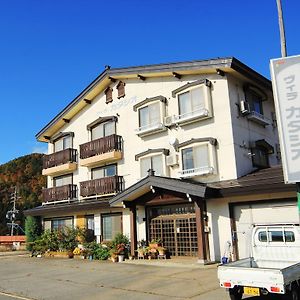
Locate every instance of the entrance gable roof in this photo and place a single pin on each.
(150, 182)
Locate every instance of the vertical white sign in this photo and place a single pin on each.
(285, 73)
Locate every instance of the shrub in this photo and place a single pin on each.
(102, 253)
(32, 231)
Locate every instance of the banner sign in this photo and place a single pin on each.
(285, 73)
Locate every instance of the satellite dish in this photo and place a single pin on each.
(173, 140)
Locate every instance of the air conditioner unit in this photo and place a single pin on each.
(244, 107)
(168, 121)
(172, 160)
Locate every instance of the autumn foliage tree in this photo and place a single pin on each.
(25, 173)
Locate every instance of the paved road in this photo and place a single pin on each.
(41, 278)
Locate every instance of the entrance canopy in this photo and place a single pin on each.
(151, 182)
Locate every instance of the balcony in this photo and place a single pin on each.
(60, 162)
(258, 118)
(196, 172)
(191, 117)
(150, 129)
(60, 194)
(100, 151)
(103, 186)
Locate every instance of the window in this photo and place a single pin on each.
(63, 143)
(194, 101)
(106, 171)
(63, 180)
(255, 101)
(276, 236)
(90, 224)
(90, 228)
(103, 129)
(149, 116)
(260, 157)
(154, 162)
(195, 160)
(108, 94)
(254, 98)
(60, 223)
(111, 225)
(191, 102)
(151, 113)
(121, 89)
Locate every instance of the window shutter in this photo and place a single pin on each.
(108, 93)
(121, 89)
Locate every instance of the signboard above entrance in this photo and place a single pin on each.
(285, 73)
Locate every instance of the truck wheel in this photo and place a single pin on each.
(294, 293)
(236, 293)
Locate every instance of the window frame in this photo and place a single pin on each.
(198, 114)
(113, 122)
(104, 215)
(59, 219)
(210, 169)
(102, 168)
(258, 149)
(62, 176)
(150, 156)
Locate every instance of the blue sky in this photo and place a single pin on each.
(51, 50)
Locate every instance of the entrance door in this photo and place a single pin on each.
(247, 215)
(178, 233)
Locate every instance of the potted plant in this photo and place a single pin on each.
(121, 251)
(155, 243)
(161, 251)
(113, 255)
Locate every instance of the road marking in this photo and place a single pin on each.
(14, 296)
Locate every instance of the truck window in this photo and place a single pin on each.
(276, 236)
(262, 236)
(289, 236)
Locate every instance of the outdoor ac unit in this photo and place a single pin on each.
(172, 160)
(168, 121)
(244, 107)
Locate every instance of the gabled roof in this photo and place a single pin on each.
(178, 69)
(151, 182)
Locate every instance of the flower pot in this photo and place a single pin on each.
(70, 254)
(121, 257)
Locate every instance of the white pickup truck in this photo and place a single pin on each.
(274, 265)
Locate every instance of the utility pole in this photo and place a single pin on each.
(281, 29)
(11, 214)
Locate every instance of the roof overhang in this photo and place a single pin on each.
(150, 183)
(211, 66)
(49, 209)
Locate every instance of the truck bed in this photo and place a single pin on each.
(259, 273)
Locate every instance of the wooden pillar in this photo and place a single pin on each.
(133, 229)
(200, 231)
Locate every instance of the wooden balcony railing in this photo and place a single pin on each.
(59, 158)
(102, 186)
(55, 194)
(103, 145)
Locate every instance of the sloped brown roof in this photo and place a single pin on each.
(261, 181)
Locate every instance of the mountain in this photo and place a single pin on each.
(25, 173)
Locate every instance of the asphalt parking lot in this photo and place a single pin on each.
(22, 277)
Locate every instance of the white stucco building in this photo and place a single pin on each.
(201, 126)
